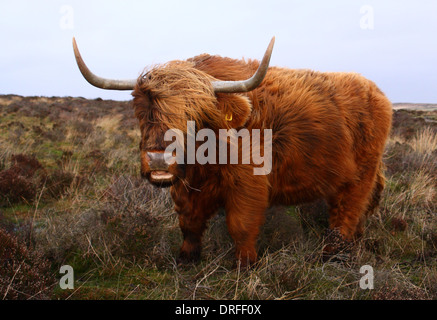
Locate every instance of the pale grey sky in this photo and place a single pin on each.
(392, 42)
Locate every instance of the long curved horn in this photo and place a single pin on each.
(249, 84)
(98, 81)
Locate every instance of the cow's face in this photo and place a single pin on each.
(155, 166)
(166, 97)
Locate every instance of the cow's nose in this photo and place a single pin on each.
(159, 160)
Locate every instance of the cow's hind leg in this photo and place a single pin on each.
(350, 205)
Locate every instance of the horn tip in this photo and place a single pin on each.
(272, 42)
(74, 44)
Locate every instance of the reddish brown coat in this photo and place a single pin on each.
(329, 132)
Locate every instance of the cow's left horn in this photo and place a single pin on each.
(249, 84)
(97, 81)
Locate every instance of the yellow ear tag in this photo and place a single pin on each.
(228, 117)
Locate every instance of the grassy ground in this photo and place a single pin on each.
(70, 194)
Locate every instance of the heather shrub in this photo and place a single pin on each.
(24, 274)
(20, 182)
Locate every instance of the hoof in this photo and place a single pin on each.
(336, 248)
(186, 258)
(245, 266)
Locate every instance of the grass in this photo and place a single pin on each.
(91, 210)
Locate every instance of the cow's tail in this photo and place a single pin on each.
(374, 199)
(377, 191)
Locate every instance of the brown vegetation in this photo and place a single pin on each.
(24, 273)
(121, 235)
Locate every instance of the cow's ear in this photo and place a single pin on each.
(236, 109)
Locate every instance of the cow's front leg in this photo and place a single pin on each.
(192, 225)
(194, 212)
(245, 213)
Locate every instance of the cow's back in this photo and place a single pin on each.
(325, 125)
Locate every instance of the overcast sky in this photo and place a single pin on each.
(392, 42)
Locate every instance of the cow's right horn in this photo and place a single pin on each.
(97, 81)
(251, 83)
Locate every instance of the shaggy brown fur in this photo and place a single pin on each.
(329, 132)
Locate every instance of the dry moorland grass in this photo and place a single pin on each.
(70, 193)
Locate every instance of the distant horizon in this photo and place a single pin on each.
(128, 100)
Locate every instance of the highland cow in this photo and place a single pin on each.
(329, 132)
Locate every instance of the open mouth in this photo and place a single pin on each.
(159, 175)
